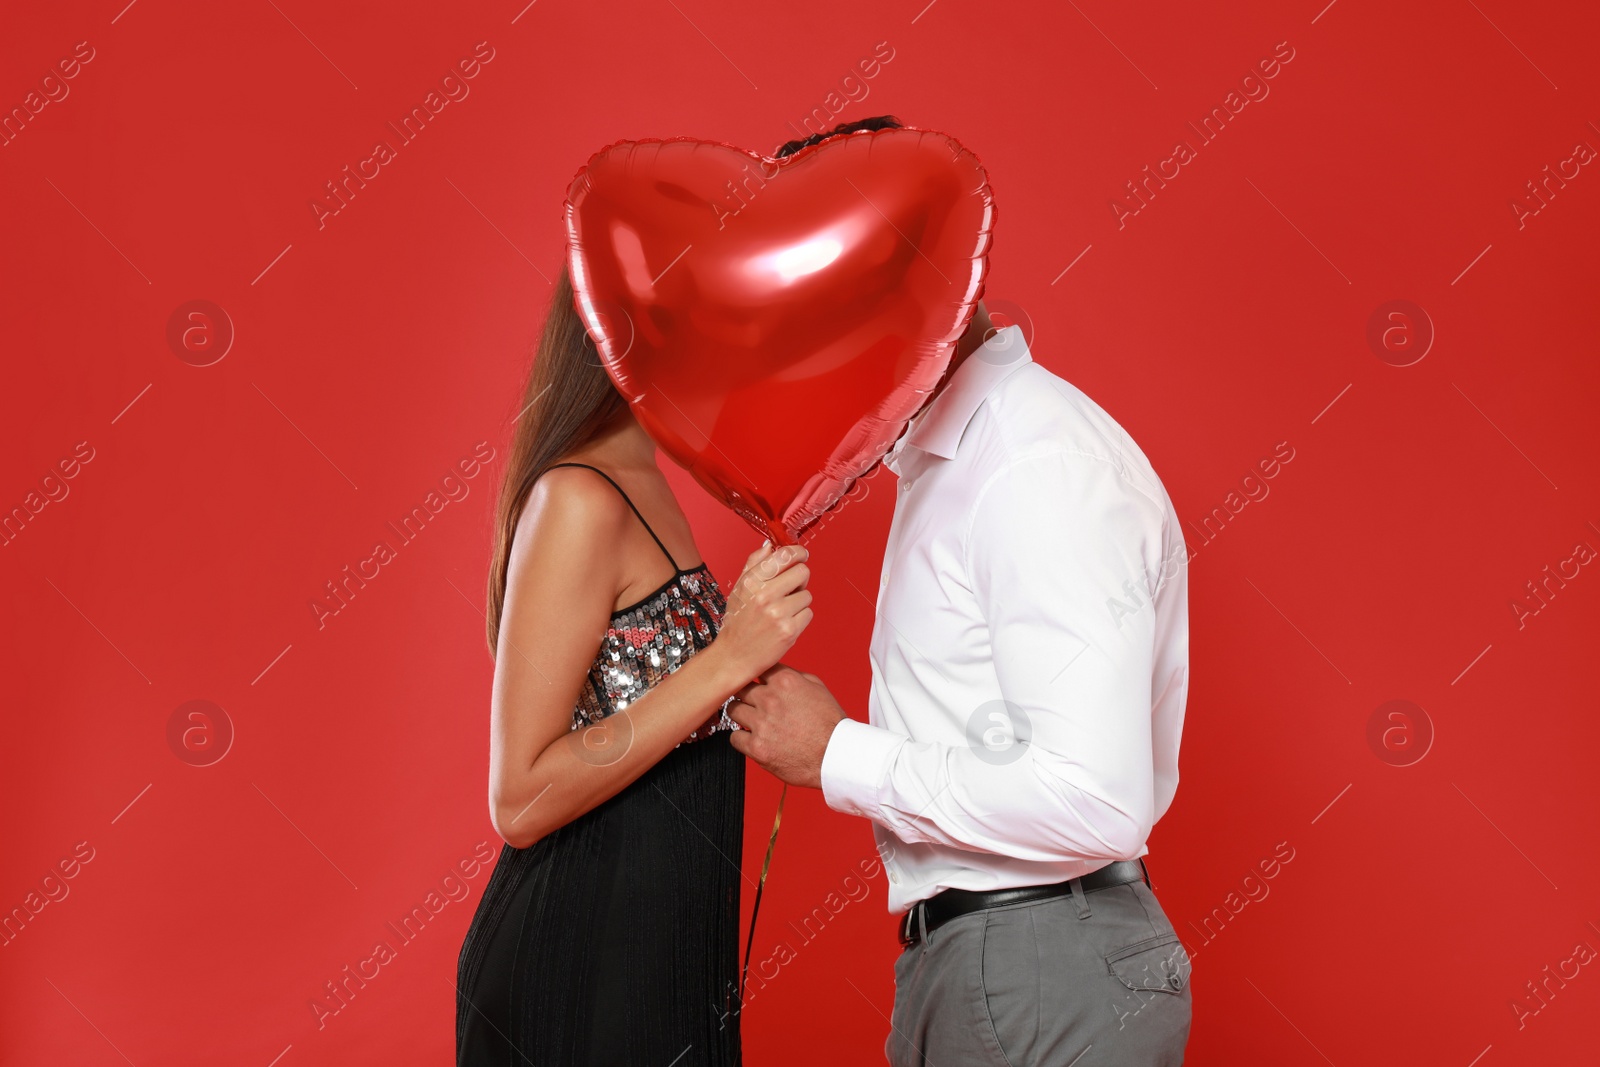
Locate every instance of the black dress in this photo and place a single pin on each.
(614, 939)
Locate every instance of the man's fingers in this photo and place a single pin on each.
(776, 670)
(738, 711)
(740, 740)
(748, 692)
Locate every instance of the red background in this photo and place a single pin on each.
(1228, 315)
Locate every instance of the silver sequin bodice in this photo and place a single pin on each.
(650, 640)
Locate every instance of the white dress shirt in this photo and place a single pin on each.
(1030, 657)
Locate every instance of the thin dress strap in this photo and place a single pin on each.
(630, 504)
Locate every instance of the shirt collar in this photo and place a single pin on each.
(937, 429)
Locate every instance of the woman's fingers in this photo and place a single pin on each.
(765, 606)
(791, 578)
(769, 566)
(775, 562)
(758, 555)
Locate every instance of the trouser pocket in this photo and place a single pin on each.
(1057, 981)
(1158, 964)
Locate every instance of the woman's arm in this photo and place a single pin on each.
(562, 579)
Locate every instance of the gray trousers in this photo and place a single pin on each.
(1087, 980)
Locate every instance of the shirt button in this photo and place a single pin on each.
(895, 878)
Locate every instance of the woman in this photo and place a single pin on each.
(608, 933)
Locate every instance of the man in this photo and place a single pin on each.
(1029, 676)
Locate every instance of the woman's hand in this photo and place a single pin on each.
(768, 607)
(564, 564)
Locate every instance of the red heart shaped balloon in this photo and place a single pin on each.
(774, 323)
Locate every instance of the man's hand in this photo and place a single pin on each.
(787, 718)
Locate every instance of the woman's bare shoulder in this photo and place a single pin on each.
(571, 512)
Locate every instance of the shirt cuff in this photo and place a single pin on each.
(854, 766)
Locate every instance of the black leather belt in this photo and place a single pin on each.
(940, 908)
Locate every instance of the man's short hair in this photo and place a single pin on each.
(877, 122)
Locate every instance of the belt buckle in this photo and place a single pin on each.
(908, 926)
